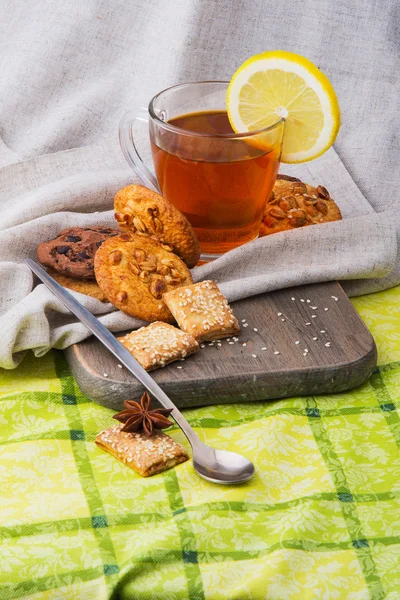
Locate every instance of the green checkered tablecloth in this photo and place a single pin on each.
(320, 520)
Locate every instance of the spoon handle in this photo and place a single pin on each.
(115, 347)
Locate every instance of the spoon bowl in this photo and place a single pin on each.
(221, 466)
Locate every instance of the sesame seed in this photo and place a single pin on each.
(179, 367)
(279, 314)
(202, 345)
(243, 320)
(276, 352)
(219, 344)
(228, 339)
(230, 343)
(306, 350)
(322, 331)
(264, 348)
(297, 342)
(255, 329)
(313, 316)
(308, 323)
(244, 344)
(326, 309)
(119, 366)
(315, 338)
(254, 355)
(308, 301)
(335, 298)
(246, 325)
(292, 298)
(302, 300)
(314, 307)
(283, 319)
(327, 344)
(105, 374)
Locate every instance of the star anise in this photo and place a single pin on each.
(139, 417)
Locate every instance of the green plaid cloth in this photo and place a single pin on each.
(320, 519)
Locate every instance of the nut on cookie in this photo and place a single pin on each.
(294, 204)
(134, 271)
(140, 210)
(202, 311)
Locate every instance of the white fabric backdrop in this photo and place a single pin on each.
(69, 71)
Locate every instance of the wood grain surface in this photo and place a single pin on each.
(266, 363)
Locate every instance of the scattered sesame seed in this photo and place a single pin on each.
(327, 344)
(219, 344)
(308, 323)
(230, 343)
(202, 345)
(264, 348)
(179, 367)
(326, 309)
(335, 298)
(105, 374)
(119, 366)
(302, 300)
(322, 331)
(314, 307)
(313, 316)
(305, 353)
(315, 338)
(306, 350)
(255, 329)
(276, 352)
(293, 298)
(308, 301)
(246, 325)
(254, 355)
(279, 314)
(297, 342)
(244, 344)
(211, 344)
(283, 319)
(228, 339)
(243, 320)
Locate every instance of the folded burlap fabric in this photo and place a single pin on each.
(52, 192)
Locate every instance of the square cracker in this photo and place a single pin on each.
(158, 344)
(202, 311)
(147, 455)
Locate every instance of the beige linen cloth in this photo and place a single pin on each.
(71, 69)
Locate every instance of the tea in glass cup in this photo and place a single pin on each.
(220, 180)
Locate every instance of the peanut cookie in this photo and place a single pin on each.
(138, 209)
(90, 288)
(294, 204)
(134, 271)
(72, 252)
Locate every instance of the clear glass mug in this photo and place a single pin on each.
(219, 179)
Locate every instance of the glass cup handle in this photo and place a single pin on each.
(129, 149)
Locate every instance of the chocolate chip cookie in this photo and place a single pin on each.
(140, 210)
(293, 204)
(134, 271)
(72, 252)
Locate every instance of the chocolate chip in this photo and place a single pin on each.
(105, 230)
(73, 238)
(63, 249)
(98, 244)
(83, 254)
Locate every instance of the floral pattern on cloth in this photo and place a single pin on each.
(320, 519)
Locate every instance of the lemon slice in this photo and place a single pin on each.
(282, 84)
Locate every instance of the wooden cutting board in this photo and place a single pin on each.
(265, 363)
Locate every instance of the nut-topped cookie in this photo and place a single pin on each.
(140, 210)
(294, 204)
(134, 271)
(72, 252)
